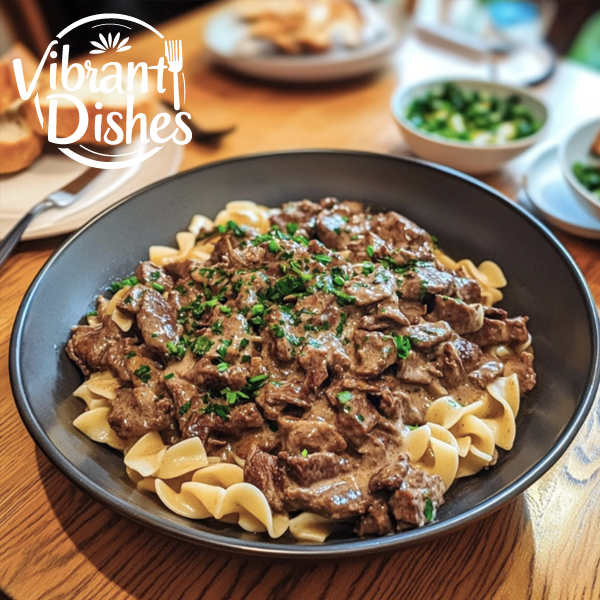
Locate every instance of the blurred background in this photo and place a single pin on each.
(571, 27)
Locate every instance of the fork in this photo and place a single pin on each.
(174, 56)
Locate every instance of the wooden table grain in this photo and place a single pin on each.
(57, 543)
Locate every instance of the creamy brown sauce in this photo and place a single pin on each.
(307, 351)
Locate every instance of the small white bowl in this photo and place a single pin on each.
(465, 156)
(576, 148)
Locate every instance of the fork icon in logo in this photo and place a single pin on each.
(175, 59)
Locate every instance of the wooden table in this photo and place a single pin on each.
(59, 544)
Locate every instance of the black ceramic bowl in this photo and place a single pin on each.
(470, 219)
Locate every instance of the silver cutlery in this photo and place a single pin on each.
(62, 198)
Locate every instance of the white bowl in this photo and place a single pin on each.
(465, 156)
(576, 148)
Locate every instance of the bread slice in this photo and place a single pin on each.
(9, 92)
(67, 117)
(19, 145)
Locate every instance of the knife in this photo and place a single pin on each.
(59, 199)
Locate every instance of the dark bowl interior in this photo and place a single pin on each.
(470, 219)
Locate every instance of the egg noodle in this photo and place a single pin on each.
(456, 441)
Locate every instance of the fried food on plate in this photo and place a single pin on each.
(303, 26)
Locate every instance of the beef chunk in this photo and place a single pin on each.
(375, 352)
(425, 279)
(376, 521)
(523, 367)
(467, 290)
(501, 331)
(204, 373)
(273, 399)
(306, 470)
(154, 275)
(415, 369)
(186, 401)
(116, 357)
(157, 322)
(302, 213)
(132, 302)
(391, 476)
(182, 269)
(319, 355)
(456, 359)
(89, 345)
(408, 503)
(338, 226)
(384, 393)
(486, 373)
(261, 470)
(241, 418)
(462, 317)
(356, 417)
(413, 311)
(340, 500)
(368, 289)
(136, 412)
(410, 487)
(427, 335)
(385, 315)
(414, 242)
(314, 436)
(124, 359)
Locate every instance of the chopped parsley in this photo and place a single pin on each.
(234, 397)
(222, 351)
(184, 407)
(119, 285)
(217, 327)
(402, 345)
(278, 331)
(429, 510)
(344, 397)
(340, 328)
(221, 410)
(131, 354)
(225, 310)
(201, 346)
(304, 453)
(144, 373)
(237, 230)
(322, 258)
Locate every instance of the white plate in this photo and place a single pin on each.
(550, 193)
(53, 170)
(225, 30)
(577, 148)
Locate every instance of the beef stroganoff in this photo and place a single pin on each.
(310, 368)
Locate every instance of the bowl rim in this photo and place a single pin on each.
(398, 103)
(300, 551)
(568, 169)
